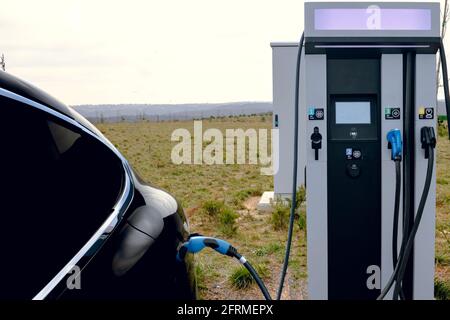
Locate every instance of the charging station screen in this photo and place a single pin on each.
(352, 112)
(372, 18)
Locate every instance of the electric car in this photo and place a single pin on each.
(77, 222)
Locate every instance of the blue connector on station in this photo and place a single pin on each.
(394, 137)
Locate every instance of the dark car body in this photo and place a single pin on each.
(77, 221)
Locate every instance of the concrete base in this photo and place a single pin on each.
(265, 203)
(283, 196)
(268, 199)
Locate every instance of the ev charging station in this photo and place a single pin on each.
(364, 114)
(369, 68)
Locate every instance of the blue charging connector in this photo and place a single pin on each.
(394, 137)
(198, 243)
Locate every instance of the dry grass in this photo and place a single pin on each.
(443, 212)
(148, 147)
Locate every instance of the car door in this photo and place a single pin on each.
(64, 191)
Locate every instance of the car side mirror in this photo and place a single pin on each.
(140, 232)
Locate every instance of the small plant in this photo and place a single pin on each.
(260, 252)
(225, 216)
(301, 222)
(227, 221)
(442, 259)
(200, 276)
(281, 212)
(441, 290)
(242, 195)
(442, 128)
(269, 249)
(300, 197)
(242, 279)
(280, 216)
(212, 208)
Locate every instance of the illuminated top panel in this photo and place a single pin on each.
(379, 19)
(372, 19)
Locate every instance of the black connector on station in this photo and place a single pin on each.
(428, 139)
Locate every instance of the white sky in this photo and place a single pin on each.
(165, 51)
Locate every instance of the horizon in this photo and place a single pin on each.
(170, 104)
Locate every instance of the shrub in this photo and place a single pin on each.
(200, 276)
(269, 249)
(442, 259)
(280, 216)
(442, 128)
(224, 215)
(302, 220)
(212, 208)
(242, 279)
(441, 290)
(227, 221)
(300, 197)
(242, 195)
(281, 212)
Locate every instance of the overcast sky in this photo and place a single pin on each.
(150, 51)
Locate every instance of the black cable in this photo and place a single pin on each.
(396, 212)
(294, 176)
(420, 209)
(409, 156)
(400, 267)
(254, 274)
(396, 217)
(445, 82)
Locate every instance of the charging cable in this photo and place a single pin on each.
(294, 174)
(395, 144)
(428, 140)
(197, 243)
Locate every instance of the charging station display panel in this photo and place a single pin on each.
(353, 112)
(353, 117)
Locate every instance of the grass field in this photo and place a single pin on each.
(220, 200)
